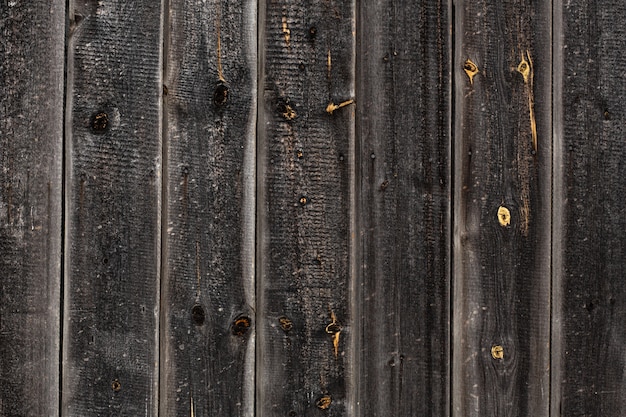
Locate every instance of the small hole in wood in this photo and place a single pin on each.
(116, 385)
(285, 323)
(288, 112)
(220, 95)
(333, 328)
(197, 315)
(504, 216)
(324, 402)
(100, 122)
(497, 352)
(241, 325)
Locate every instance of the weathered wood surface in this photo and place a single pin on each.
(403, 131)
(589, 336)
(111, 318)
(208, 282)
(502, 130)
(482, 191)
(31, 151)
(305, 191)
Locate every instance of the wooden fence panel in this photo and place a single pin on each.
(502, 199)
(209, 246)
(31, 151)
(403, 132)
(306, 160)
(110, 363)
(589, 336)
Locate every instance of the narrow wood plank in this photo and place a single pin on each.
(306, 158)
(31, 148)
(208, 280)
(403, 130)
(113, 209)
(590, 289)
(502, 215)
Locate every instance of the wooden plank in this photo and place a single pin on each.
(590, 291)
(501, 302)
(110, 358)
(403, 128)
(306, 189)
(208, 280)
(31, 148)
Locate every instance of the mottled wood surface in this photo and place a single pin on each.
(208, 306)
(502, 208)
(589, 334)
(305, 191)
(113, 209)
(403, 132)
(422, 215)
(31, 151)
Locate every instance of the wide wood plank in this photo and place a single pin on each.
(110, 357)
(403, 131)
(31, 148)
(502, 197)
(208, 282)
(589, 362)
(306, 189)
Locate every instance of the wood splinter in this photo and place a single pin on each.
(334, 329)
(525, 68)
(332, 106)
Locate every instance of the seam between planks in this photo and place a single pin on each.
(353, 392)
(452, 200)
(165, 33)
(259, 196)
(65, 141)
(556, 207)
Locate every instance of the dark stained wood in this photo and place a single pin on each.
(501, 302)
(403, 131)
(306, 160)
(208, 281)
(31, 148)
(110, 363)
(590, 222)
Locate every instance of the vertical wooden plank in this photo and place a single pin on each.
(403, 131)
(113, 209)
(502, 208)
(31, 148)
(590, 291)
(208, 281)
(306, 158)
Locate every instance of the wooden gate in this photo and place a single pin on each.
(381, 208)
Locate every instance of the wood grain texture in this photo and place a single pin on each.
(208, 280)
(590, 171)
(31, 148)
(501, 303)
(306, 149)
(110, 358)
(403, 131)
